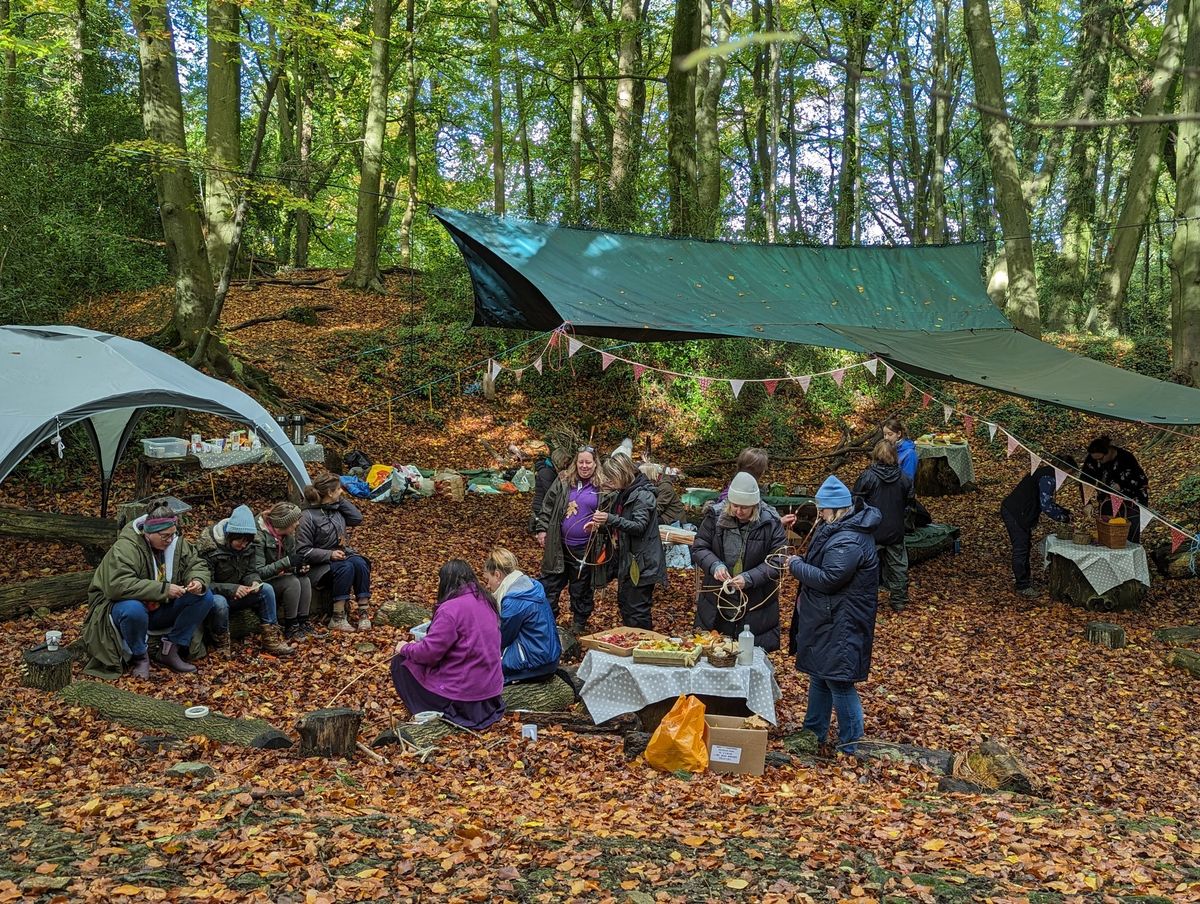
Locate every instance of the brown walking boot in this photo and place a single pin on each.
(169, 656)
(271, 640)
(222, 644)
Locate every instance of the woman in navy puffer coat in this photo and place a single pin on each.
(834, 625)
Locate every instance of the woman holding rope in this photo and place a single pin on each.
(561, 530)
(737, 547)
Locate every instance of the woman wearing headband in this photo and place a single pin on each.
(734, 548)
(150, 579)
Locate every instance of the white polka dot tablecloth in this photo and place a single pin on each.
(957, 455)
(1104, 568)
(613, 685)
(216, 460)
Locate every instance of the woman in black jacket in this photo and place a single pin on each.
(1116, 470)
(834, 624)
(631, 524)
(887, 488)
(733, 544)
(321, 544)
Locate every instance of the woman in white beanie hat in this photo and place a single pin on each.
(732, 546)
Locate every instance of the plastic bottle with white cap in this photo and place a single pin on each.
(746, 647)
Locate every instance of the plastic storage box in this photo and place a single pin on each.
(165, 447)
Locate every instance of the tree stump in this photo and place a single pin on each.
(993, 767)
(1111, 636)
(1187, 660)
(47, 670)
(330, 732)
(400, 614)
(935, 477)
(550, 696)
(1067, 583)
(163, 718)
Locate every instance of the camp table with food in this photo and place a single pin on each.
(944, 466)
(1098, 570)
(629, 669)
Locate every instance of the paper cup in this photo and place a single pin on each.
(311, 439)
(53, 640)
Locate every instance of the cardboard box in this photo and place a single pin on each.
(731, 748)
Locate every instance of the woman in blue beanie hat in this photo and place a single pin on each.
(834, 625)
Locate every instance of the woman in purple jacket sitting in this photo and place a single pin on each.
(455, 669)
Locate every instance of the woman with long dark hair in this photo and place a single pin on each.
(1115, 470)
(561, 530)
(455, 668)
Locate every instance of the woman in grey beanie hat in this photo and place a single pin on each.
(280, 566)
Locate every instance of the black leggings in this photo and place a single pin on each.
(352, 571)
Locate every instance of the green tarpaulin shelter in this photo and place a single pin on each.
(923, 308)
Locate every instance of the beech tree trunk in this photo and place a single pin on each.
(59, 591)
(1185, 249)
(1143, 171)
(10, 84)
(523, 138)
(410, 135)
(575, 174)
(222, 129)
(939, 127)
(1021, 298)
(622, 177)
(365, 274)
(857, 23)
(710, 83)
(681, 121)
(497, 108)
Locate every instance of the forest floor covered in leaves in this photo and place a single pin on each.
(90, 813)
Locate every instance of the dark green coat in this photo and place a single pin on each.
(274, 556)
(128, 572)
(230, 568)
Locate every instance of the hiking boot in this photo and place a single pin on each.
(340, 623)
(310, 629)
(1028, 591)
(221, 643)
(294, 633)
(271, 640)
(364, 623)
(169, 656)
(898, 605)
(139, 667)
(578, 628)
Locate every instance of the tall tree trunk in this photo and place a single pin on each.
(709, 87)
(497, 108)
(772, 189)
(1030, 84)
(10, 83)
(681, 121)
(304, 132)
(222, 127)
(622, 177)
(366, 273)
(1021, 302)
(1185, 248)
(793, 156)
(1083, 164)
(939, 127)
(857, 23)
(410, 135)
(286, 117)
(178, 202)
(761, 74)
(1143, 170)
(523, 138)
(575, 177)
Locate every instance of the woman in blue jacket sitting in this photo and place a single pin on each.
(834, 625)
(529, 643)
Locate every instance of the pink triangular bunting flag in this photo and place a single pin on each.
(1059, 476)
(606, 359)
(1012, 444)
(736, 386)
(769, 386)
(1178, 538)
(839, 375)
(926, 398)
(946, 412)
(704, 382)
(804, 382)
(872, 364)
(638, 370)
(1035, 462)
(991, 432)
(554, 339)
(968, 424)
(888, 373)
(494, 368)
(573, 345)
(1117, 502)
(907, 389)
(537, 363)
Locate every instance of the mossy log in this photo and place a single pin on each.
(571, 650)
(1067, 583)
(549, 696)
(935, 477)
(58, 592)
(401, 614)
(995, 768)
(1182, 634)
(330, 732)
(1187, 660)
(1111, 636)
(95, 535)
(244, 623)
(164, 718)
(46, 670)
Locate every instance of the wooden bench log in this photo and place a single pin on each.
(164, 718)
(330, 732)
(402, 614)
(1182, 634)
(95, 535)
(46, 670)
(1067, 583)
(58, 592)
(1187, 660)
(1177, 565)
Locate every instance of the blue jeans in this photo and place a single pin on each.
(263, 601)
(824, 696)
(352, 571)
(183, 616)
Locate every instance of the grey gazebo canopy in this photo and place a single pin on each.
(52, 377)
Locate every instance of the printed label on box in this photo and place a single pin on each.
(722, 754)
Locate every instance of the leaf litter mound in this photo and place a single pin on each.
(92, 815)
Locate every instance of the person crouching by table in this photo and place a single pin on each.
(279, 564)
(151, 578)
(321, 543)
(632, 527)
(529, 644)
(834, 624)
(455, 668)
(1032, 497)
(732, 546)
(229, 549)
(886, 487)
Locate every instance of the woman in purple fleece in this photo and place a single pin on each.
(455, 669)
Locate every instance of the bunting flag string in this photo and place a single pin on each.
(946, 412)
(1035, 461)
(838, 376)
(736, 386)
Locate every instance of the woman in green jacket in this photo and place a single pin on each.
(280, 565)
(150, 579)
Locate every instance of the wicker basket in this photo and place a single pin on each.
(1114, 536)
(727, 661)
(1082, 537)
(1064, 532)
